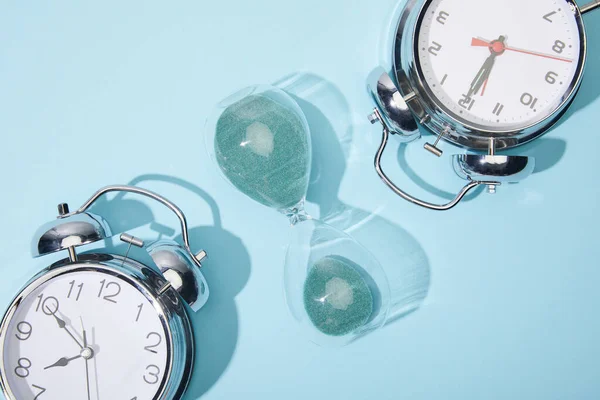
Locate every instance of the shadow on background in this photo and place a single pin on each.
(400, 255)
(227, 271)
(547, 152)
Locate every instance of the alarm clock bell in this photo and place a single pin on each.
(179, 266)
(398, 115)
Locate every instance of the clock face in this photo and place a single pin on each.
(85, 335)
(499, 66)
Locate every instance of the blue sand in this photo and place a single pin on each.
(264, 150)
(336, 297)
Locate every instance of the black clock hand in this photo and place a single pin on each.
(496, 48)
(63, 362)
(63, 325)
(87, 367)
(482, 75)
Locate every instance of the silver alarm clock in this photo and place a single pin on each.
(481, 74)
(103, 325)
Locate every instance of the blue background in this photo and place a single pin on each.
(504, 288)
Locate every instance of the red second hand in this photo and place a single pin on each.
(479, 42)
(484, 86)
(484, 43)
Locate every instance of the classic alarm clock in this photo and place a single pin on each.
(103, 326)
(481, 74)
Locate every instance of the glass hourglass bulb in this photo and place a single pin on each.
(335, 289)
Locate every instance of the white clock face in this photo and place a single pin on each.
(85, 335)
(499, 65)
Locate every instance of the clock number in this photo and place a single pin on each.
(151, 376)
(151, 347)
(139, 312)
(551, 77)
(547, 16)
(559, 46)
(528, 100)
(49, 305)
(24, 328)
(466, 102)
(498, 109)
(72, 284)
(442, 17)
(109, 297)
(22, 369)
(434, 48)
(41, 389)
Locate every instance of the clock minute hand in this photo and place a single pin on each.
(496, 48)
(87, 366)
(482, 76)
(63, 325)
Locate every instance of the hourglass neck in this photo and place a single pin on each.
(297, 214)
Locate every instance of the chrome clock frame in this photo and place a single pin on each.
(174, 279)
(168, 306)
(437, 118)
(405, 101)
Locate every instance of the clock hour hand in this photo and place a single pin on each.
(63, 325)
(63, 362)
(496, 48)
(482, 76)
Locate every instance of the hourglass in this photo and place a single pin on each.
(335, 288)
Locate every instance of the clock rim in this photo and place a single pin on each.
(434, 116)
(171, 311)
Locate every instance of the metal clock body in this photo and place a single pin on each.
(168, 308)
(99, 325)
(483, 75)
(412, 47)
